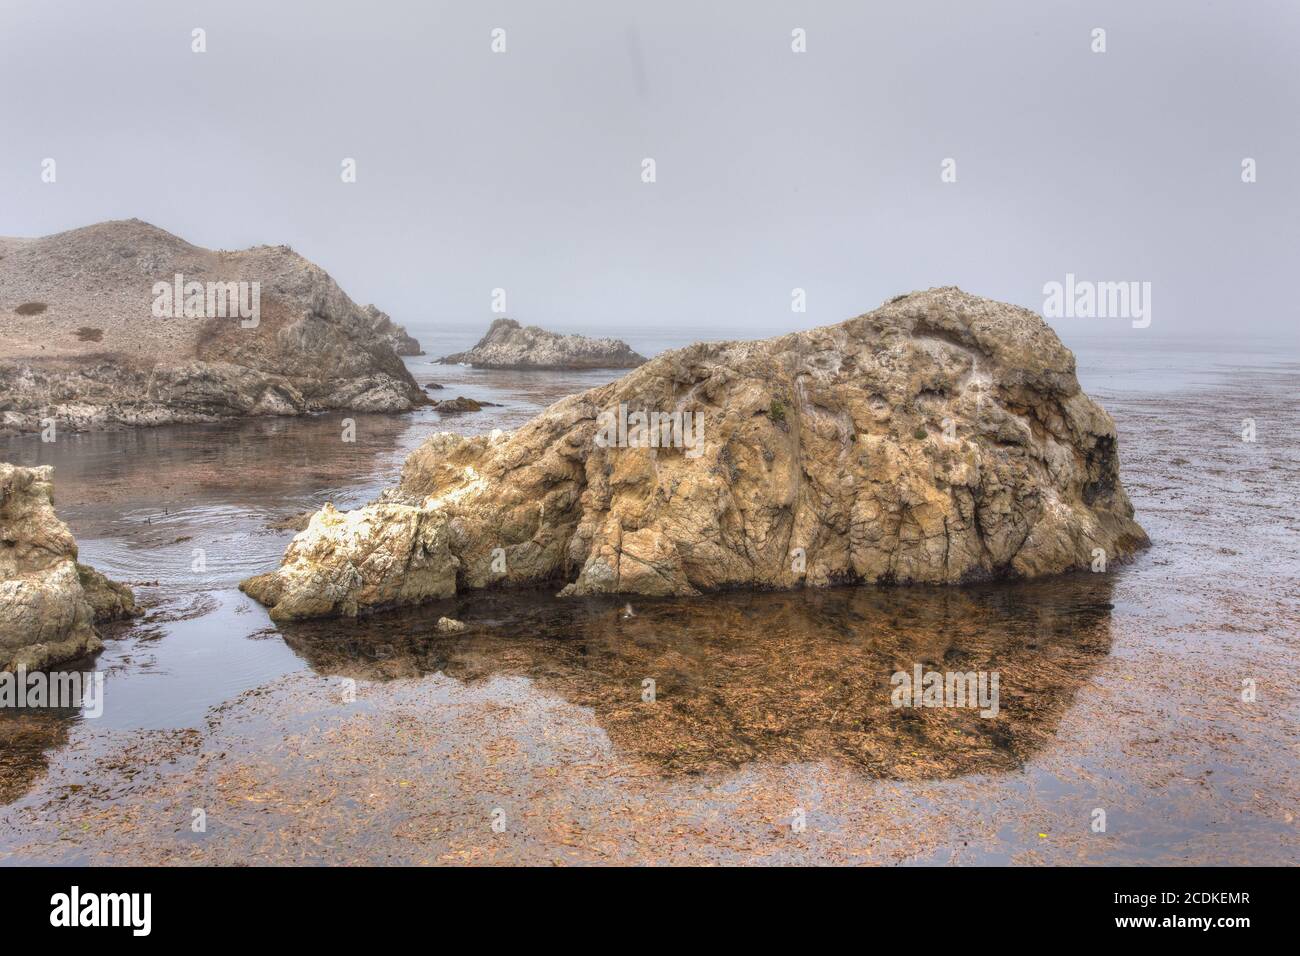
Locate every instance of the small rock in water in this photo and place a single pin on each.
(449, 625)
(458, 404)
(296, 522)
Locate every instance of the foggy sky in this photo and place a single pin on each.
(775, 170)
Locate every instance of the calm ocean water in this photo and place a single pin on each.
(145, 504)
(1124, 358)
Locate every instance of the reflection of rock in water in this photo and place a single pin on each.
(257, 461)
(26, 738)
(788, 677)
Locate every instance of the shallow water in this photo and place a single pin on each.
(741, 680)
(184, 513)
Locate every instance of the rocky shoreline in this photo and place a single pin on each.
(942, 438)
(92, 337)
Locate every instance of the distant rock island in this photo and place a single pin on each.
(509, 345)
(941, 439)
(123, 323)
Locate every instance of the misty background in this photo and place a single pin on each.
(775, 170)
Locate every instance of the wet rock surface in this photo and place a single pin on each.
(942, 438)
(97, 356)
(49, 604)
(509, 345)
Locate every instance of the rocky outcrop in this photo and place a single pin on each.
(942, 438)
(93, 336)
(392, 333)
(49, 604)
(509, 345)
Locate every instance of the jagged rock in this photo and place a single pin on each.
(96, 356)
(942, 438)
(509, 345)
(49, 603)
(392, 333)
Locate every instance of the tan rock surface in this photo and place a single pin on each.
(942, 438)
(49, 603)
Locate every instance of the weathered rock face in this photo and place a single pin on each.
(942, 438)
(392, 333)
(509, 345)
(347, 561)
(49, 603)
(80, 342)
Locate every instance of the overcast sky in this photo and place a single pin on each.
(775, 169)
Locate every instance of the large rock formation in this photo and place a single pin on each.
(82, 340)
(941, 438)
(49, 604)
(511, 345)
